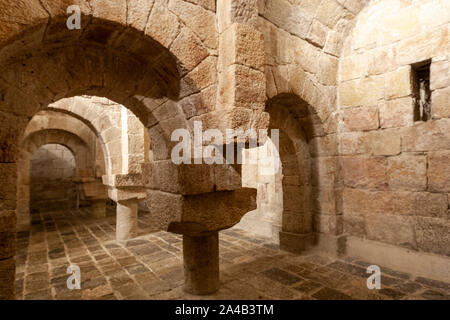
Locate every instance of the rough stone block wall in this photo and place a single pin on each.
(52, 175)
(340, 82)
(303, 43)
(395, 169)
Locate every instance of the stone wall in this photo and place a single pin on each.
(376, 173)
(338, 77)
(303, 44)
(157, 58)
(104, 117)
(53, 126)
(52, 175)
(57, 119)
(395, 167)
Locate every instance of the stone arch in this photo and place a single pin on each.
(84, 175)
(316, 108)
(52, 119)
(127, 63)
(125, 142)
(109, 121)
(163, 70)
(76, 145)
(302, 53)
(285, 198)
(53, 180)
(296, 166)
(146, 77)
(308, 213)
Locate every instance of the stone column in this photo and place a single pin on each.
(201, 263)
(126, 221)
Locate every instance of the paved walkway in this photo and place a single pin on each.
(150, 266)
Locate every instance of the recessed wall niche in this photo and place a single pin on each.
(421, 90)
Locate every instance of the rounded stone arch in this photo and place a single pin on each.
(111, 123)
(285, 112)
(319, 142)
(112, 60)
(117, 55)
(153, 68)
(32, 142)
(100, 122)
(297, 205)
(106, 59)
(53, 182)
(313, 104)
(303, 58)
(54, 120)
(79, 148)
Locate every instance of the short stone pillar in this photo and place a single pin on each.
(127, 219)
(201, 263)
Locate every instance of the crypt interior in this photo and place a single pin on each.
(358, 91)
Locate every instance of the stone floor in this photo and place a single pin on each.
(150, 266)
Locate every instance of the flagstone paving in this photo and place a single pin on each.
(150, 266)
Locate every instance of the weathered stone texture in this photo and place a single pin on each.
(399, 83)
(361, 119)
(433, 235)
(378, 71)
(441, 101)
(241, 44)
(397, 113)
(199, 20)
(407, 173)
(163, 26)
(362, 92)
(367, 173)
(338, 77)
(439, 172)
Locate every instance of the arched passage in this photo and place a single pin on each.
(47, 73)
(88, 186)
(65, 124)
(299, 206)
(52, 179)
(145, 67)
(285, 199)
(119, 131)
(296, 171)
(53, 120)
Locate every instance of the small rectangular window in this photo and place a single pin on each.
(421, 90)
